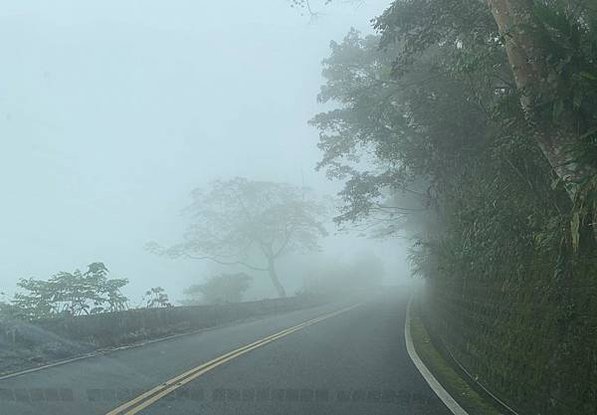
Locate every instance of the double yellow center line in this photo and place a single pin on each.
(151, 396)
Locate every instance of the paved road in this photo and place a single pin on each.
(351, 362)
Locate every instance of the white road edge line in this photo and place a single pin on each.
(439, 390)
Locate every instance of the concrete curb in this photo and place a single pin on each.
(433, 383)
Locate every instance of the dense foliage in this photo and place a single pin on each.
(68, 294)
(436, 135)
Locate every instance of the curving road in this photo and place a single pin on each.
(333, 359)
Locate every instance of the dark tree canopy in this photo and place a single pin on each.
(472, 126)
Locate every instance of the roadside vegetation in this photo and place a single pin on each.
(468, 126)
(472, 127)
(67, 294)
(219, 289)
(72, 294)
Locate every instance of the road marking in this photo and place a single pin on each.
(105, 352)
(433, 383)
(153, 395)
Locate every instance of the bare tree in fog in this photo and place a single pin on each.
(249, 223)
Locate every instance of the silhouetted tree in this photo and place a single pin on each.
(156, 298)
(249, 223)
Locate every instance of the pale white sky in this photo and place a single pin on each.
(112, 111)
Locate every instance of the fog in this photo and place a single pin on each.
(112, 112)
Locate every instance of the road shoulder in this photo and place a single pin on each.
(463, 399)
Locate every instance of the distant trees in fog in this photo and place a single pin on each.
(363, 272)
(156, 298)
(249, 223)
(219, 289)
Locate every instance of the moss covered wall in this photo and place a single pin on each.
(532, 341)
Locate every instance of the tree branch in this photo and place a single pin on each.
(219, 261)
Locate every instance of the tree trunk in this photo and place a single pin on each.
(537, 81)
(274, 277)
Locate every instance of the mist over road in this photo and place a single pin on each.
(345, 361)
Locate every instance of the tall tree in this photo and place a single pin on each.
(547, 44)
(438, 106)
(543, 53)
(249, 223)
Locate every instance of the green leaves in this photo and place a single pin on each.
(70, 294)
(436, 108)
